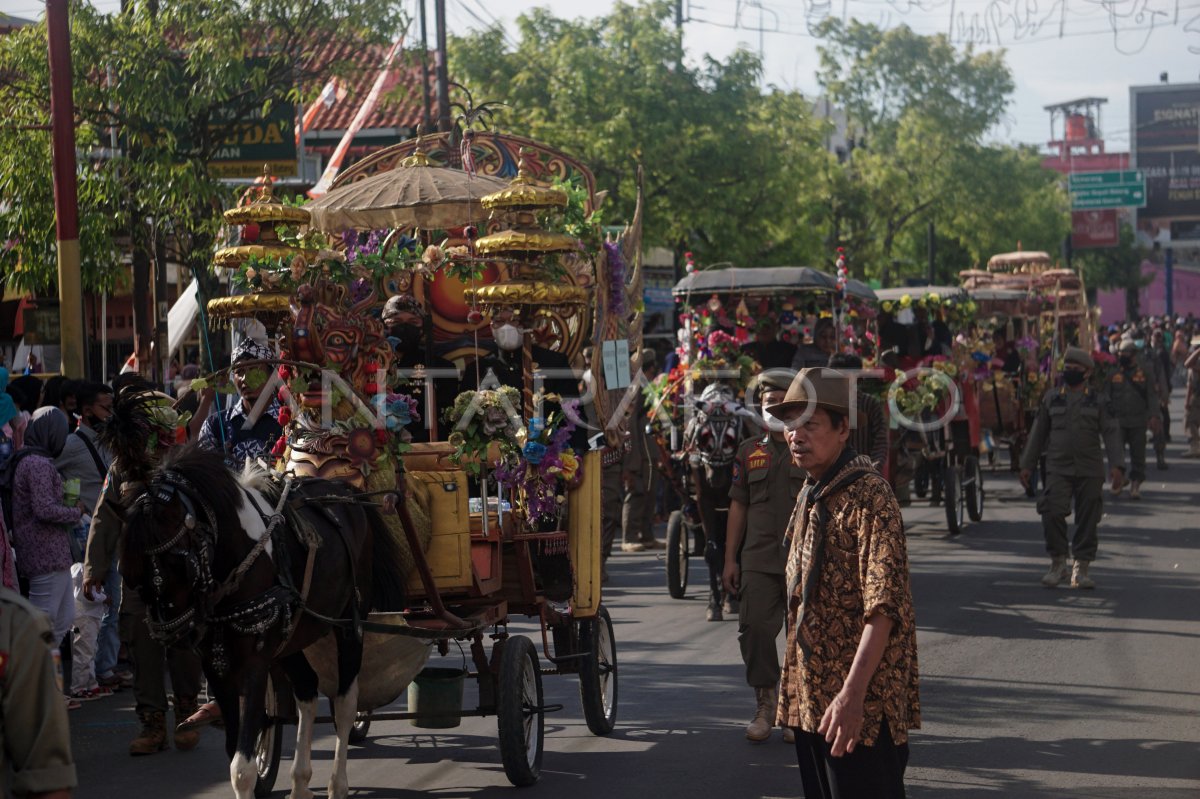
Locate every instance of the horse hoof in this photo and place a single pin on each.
(300, 793)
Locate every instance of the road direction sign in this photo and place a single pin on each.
(1120, 196)
(1116, 189)
(1079, 180)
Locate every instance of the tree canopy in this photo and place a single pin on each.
(166, 82)
(726, 166)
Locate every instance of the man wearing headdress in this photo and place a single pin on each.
(140, 429)
(243, 430)
(414, 361)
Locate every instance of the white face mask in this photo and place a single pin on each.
(508, 337)
(773, 424)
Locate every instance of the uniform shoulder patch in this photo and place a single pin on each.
(737, 472)
(758, 458)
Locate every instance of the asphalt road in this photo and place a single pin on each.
(1027, 693)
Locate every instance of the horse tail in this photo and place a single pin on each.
(387, 566)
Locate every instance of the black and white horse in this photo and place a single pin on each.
(250, 571)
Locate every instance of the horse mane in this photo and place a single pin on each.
(207, 473)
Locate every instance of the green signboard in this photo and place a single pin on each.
(1080, 180)
(1091, 191)
(1125, 196)
(259, 140)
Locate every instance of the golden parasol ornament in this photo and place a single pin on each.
(413, 195)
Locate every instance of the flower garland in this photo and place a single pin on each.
(616, 277)
(479, 419)
(544, 466)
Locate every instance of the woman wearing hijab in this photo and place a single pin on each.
(9, 443)
(41, 522)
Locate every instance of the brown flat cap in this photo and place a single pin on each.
(1077, 355)
(816, 387)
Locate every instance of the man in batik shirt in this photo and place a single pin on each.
(849, 685)
(238, 430)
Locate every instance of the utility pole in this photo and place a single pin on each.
(66, 194)
(427, 117)
(443, 74)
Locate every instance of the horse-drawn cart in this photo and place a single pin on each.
(933, 405)
(500, 519)
(698, 407)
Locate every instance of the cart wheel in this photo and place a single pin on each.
(598, 673)
(952, 493)
(677, 555)
(269, 747)
(973, 485)
(361, 727)
(520, 718)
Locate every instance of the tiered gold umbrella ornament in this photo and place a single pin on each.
(537, 290)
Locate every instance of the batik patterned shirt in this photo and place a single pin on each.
(865, 571)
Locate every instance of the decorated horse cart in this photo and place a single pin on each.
(698, 411)
(497, 514)
(932, 400)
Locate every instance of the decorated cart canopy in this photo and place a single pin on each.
(766, 280)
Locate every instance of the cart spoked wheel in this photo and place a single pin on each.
(520, 716)
(973, 488)
(598, 673)
(361, 727)
(677, 555)
(953, 495)
(269, 747)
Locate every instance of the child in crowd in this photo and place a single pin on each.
(88, 615)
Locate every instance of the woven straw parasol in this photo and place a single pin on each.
(413, 194)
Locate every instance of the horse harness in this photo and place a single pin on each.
(254, 616)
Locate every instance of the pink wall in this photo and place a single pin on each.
(1153, 298)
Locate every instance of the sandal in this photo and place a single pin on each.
(72, 703)
(208, 713)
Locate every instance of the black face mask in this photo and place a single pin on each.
(408, 338)
(95, 422)
(1073, 378)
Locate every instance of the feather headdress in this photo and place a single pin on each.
(141, 419)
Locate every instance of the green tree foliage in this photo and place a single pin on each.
(730, 171)
(1118, 268)
(919, 110)
(168, 81)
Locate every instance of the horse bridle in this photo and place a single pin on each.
(195, 542)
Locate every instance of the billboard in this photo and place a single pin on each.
(1166, 147)
(1091, 229)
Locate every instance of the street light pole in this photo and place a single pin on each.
(66, 196)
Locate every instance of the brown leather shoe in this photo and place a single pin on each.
(153, 737)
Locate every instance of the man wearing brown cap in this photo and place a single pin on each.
(1071, 423)
(849, 687)
(761, 499)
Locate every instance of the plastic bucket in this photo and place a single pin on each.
(436, 696)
